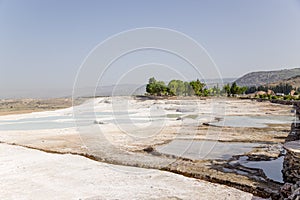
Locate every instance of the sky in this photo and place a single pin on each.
(43, 43)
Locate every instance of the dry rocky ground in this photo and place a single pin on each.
(134, 147)
(20, 106)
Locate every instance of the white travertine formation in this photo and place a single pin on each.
(31, 174)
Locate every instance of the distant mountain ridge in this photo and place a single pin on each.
(267, 77)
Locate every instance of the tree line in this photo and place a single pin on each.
(198, 88)
(192, 88)
(176, 88)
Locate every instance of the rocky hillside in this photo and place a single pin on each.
(267, 77)
(294, 81)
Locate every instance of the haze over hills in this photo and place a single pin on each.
(267, 77)
(108, 90)
(271, 78)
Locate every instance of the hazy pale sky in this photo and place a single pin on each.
(43, 42)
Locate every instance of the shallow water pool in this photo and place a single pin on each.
(272, 168)
(253, 121)
(198, 150)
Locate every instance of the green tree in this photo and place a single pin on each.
(176, 87)
(161, 88)
(206, 92)
(156, 87)
(150, 88)
(226, 88)
(242, 90)
(197, 87)
(180, 88)
(215, 90)
(234, 89)
(188, 89)
(172, 87)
